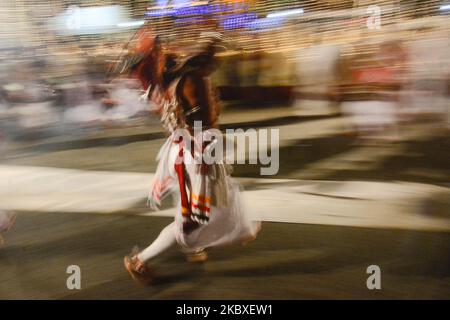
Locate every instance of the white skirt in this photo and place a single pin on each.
(226, 225)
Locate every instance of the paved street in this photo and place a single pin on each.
(336, 207)
(287, 261)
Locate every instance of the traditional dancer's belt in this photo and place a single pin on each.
(195, 208)
(188, 224)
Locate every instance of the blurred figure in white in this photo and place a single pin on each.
(316, 74)
(371, 93)
(81, 108)
(426, 93)
(27, 101)
(125, 100)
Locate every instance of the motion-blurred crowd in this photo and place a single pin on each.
(380, 78)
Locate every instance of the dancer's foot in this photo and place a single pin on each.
(197, 257)
(138, 270)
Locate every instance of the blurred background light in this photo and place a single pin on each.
(131, 24)
(89, 20)
(285, 13)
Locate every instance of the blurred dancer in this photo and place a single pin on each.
(426, 92)
(209, 211)
(371, 94)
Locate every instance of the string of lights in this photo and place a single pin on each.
(253, 26)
